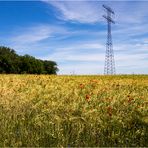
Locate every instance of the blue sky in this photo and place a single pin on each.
(73, 33)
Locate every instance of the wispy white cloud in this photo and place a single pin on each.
(33, 34)
(91, 11)
(79, 11)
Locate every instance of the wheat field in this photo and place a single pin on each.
(73, 111)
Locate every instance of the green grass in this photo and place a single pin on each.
(43, 110)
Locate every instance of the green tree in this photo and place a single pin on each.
(50, 67)
(10, 62)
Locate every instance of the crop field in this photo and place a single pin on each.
(73, 111)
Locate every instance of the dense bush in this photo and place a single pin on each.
(10, 62)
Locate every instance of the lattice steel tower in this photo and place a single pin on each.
(109, 68)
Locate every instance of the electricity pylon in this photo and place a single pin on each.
(109, 68)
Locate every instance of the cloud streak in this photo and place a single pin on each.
(77, 11)
(37, 33)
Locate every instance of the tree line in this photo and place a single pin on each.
(12, 63)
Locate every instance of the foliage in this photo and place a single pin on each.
(10, 63)
(68, 111)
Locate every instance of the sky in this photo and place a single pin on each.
(73, 33)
